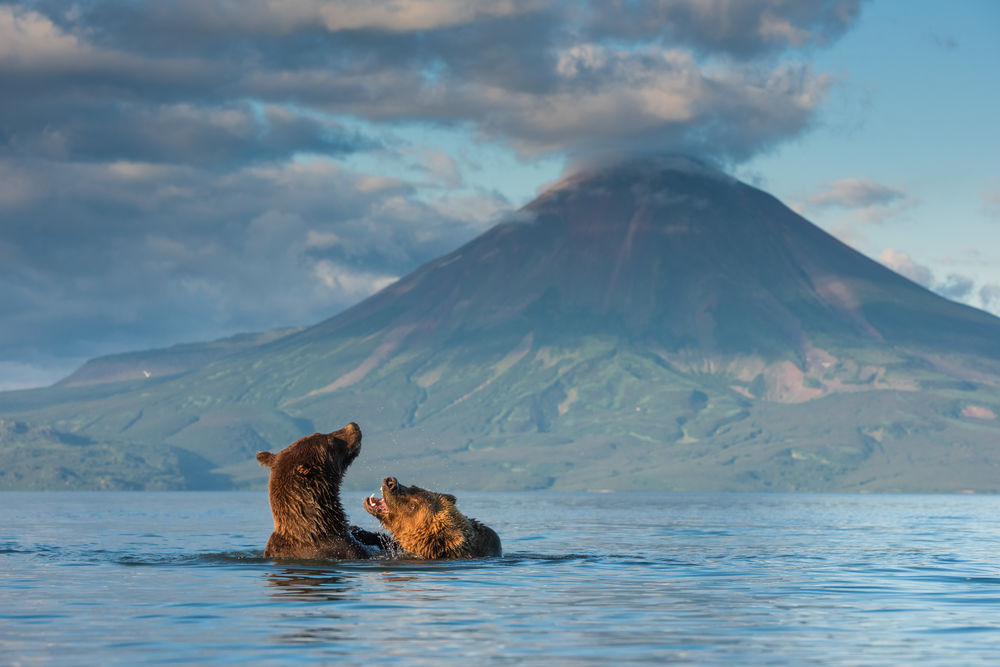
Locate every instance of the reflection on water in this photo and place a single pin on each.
(308, 584)
(695, 579)
(321, 588)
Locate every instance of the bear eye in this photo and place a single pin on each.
(413, 505)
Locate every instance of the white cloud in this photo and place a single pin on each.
(350, 281)
(619, 100)
(543, 75)
(854, 193)
(280, 17)
(903, 264)
(29, 39)
(989, 297)
(956, 286)
(739, 28)
(849, 205)
(439, 168)
(322, 239)
(195, 255)
(865, 199)
(404, 15)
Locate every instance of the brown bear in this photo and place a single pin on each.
(426, 524)
(304, 491)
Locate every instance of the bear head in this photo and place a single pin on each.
(304, 488)
(425, 523)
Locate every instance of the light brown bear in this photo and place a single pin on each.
(304, 491)
(426, 524)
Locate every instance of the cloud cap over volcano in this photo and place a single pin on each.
(184, 171)
(548, 76)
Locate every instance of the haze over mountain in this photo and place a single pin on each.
(653, 324)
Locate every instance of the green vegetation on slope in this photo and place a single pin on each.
(648, 326)
(527, 413)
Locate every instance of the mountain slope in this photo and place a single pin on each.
(676, 253)
(652, 325)
(164, 362)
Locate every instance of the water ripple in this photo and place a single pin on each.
(713, 579)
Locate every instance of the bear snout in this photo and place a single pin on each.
(390, 483)
(351, 434)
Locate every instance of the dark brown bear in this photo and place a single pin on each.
(304, 490)
(427, 524)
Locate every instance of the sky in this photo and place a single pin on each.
(184, 171)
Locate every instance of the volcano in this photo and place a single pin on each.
(656, 324)
(675, 255)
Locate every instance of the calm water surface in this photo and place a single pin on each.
(99, 578)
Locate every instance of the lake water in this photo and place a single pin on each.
(588, 578)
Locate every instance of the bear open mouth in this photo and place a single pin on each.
(376, 505)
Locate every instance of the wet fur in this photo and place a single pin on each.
(427, 524)
(304, 492)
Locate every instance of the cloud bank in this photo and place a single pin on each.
(180, 81)
(179, 171)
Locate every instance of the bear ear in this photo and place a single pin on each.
(266, 458)
(450, 498)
